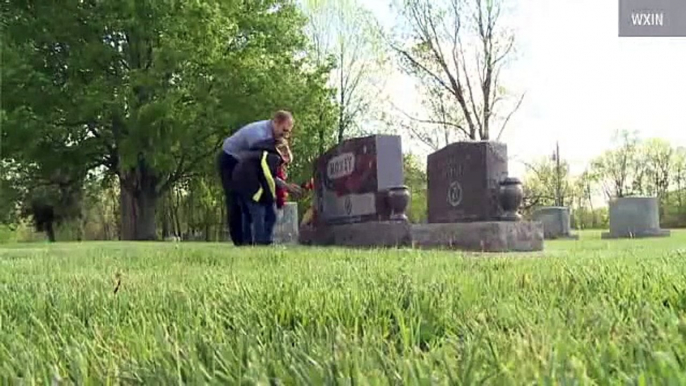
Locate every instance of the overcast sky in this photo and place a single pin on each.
(583, 82)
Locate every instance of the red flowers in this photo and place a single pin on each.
(281, 193)
(309, 185)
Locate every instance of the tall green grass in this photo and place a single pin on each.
(584, 312)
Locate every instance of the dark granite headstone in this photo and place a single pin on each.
(351, 179)
(463, 182)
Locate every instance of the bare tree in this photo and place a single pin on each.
(444, 124)
(459, 47)
(342, 31)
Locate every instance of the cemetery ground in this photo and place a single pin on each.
(597, 311)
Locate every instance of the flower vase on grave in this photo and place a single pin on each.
(511, 195)
(398, 198)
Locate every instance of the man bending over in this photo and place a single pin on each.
(242, 141)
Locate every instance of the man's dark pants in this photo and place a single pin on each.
(226, 164)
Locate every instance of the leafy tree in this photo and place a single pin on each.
(544, 186)
(342, 31)
(148, 88)
(585, 215)
(679, 178)
(48, 194)
(659, 157)
(613, 169)
(416, 181)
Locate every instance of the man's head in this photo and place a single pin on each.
(282, 124)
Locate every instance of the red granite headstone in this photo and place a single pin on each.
(351, 179)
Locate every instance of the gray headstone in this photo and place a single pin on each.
(635, 217)
(286, 229)
(463, 182)
(556, 221)
(350, 179)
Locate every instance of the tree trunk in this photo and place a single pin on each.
(207, 229)
(50, 231)
(166, 222)
(679, 195)
(138, 201)
(175, 213)
(221, 230)
(321, 133)
(116, 214)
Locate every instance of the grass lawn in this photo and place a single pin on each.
(586, 312)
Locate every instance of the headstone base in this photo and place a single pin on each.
(637, 235)
(366, 234)
(490, 236)
(306, 234)
(484, 236)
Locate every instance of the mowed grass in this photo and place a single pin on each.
(582, 312)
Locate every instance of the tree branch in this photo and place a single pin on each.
(433, 121)
(469, 89)
(420, 136)
(507, 119)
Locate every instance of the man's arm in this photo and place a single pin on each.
(293, 189)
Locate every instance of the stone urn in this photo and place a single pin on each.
(510, 196)
(398, 199)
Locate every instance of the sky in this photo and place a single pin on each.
(582, 82)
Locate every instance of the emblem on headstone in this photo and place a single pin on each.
(454, 193)
(348, 205)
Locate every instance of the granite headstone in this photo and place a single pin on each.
(463, 182)
(556, 222)
(633, 217)
(286, 228)
(352, 178)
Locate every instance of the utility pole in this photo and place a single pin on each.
(558, 172)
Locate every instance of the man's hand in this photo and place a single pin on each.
(294, 189)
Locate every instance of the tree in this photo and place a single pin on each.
(659, 158)
(444, 123)
(546, 185)
(437, 52)
(585, 215)
(9, 192)
(585, 188)
(147, 88)
(613, 169)
(415, 179)
(49, 194)
(342, 31)
(679, 177)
